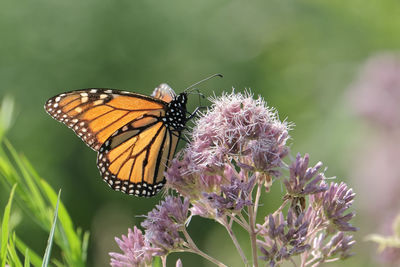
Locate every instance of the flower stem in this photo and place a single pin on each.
(241, 222)
(253, 236)
(257, 199)
(164, 261)
(196, 250)
(281, 207)
(235, 241)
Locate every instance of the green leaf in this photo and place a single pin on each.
(4, 228)
(47, 253)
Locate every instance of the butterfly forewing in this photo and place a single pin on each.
(95, 114)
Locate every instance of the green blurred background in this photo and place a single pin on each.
(301, 56)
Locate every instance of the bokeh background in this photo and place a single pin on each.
(306, 58)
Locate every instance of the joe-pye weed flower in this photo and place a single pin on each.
(235, 154)
(374, 96)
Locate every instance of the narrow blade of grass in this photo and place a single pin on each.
(85, 243)
(73, 245)
(6, 114)
(27, 260)
(12, 253)
(35, 197)
(47, 253)
(27, 178)
(4, 227)
(34, 258)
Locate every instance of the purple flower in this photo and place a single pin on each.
(190, 184)
(164, 223)
(233, 198)
(237, 126)
(283, 238)
(178, 263)
(229, 195)
(338, 246)
(237, 131)
(136, 250)
(376, 92)
(335, 202)
(304, 180)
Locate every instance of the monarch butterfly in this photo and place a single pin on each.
(135, 135)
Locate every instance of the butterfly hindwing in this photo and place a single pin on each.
(133, 159)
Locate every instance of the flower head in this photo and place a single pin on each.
(338, 246)
(376, 92)
(335, 202)
(237, 131)
(164, 223)
(179, 263)
(304, 180)
(233, 197)
(136, 250)
(190, 184)
(283, 238)
(236, 126)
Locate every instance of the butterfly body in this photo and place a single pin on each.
(135, 135)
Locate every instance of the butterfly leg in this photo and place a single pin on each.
(191, 115)
(180, 137)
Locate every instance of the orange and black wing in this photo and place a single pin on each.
(134, 158)
(95, 114)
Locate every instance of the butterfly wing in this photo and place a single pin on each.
(164, 92)
(95, 114)
(128, 130)
(134, 159)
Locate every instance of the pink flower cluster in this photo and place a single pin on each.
(237, 148)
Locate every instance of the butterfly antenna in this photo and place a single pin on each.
(206, 79)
